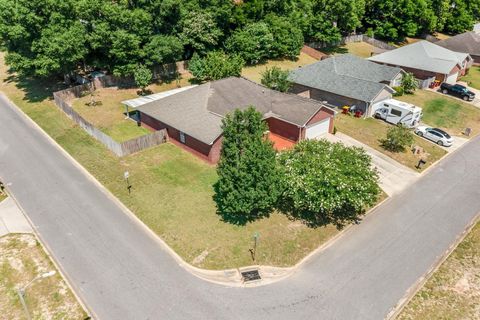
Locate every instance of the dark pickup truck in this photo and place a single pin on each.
(457, 90)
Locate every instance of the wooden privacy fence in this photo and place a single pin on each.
(119, 148)
(353, 38)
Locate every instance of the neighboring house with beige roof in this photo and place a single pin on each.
(427, 60)
(193, 117)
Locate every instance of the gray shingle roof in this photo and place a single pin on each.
(199, 111)
(465, 42)
(346, 75)
(422, 55)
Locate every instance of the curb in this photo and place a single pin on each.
(47, 251)
(415, 288)
(227, 277)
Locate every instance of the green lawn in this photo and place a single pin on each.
(370, 130)
(360, 49)
(254, 73)
(109, 115)
(2, 197)
(172, 193)
(473, 77)
(445, 112)
(453, 291)
(21, 260)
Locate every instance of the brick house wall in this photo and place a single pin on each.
(210, 153)
(284, 129)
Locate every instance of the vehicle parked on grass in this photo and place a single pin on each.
(398, 112)
(457, 90)
(436, 135)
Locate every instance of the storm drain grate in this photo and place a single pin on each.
(251, 275)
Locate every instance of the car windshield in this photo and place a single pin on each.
(446, 135)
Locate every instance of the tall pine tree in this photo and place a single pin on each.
(248, 184)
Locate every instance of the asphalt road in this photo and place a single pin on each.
(121, 272)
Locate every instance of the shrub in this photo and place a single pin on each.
(326, 183)
(143, 77)
(397, 139)
(409, 83)
(398, 91)
(276, 79)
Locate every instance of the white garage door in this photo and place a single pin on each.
(452, 79)
(317, 129)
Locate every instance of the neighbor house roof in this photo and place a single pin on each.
(346, 75)
(465, 42)
(422, 55)
(199, 111)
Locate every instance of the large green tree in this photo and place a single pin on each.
(200, 32)
(327, 183)
(215, 65)
(287, 38)
(253, 43)
(248, 180)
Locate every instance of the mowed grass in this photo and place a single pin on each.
(370, 131)
(473, 77)
(360, 49)
(254, 73)
(172, 193)
(445, 112)
(21, 260)
(109, 115)
(453, 291)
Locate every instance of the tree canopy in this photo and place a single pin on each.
(45, 37)
(327, 183)
(248, 179)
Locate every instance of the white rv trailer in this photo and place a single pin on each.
(398, 112)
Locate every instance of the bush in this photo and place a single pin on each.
(409, 83)
(276, 79)
(398, 138)
(143, 77)
(215, 65)
(327, 183)
(398, 91)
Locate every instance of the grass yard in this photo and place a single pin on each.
(445, 112)
(453, 292)
(109, 117)
(22, 259)
(370, 130)
(254, 73)
(360, 49)
(473, 77)
(172, 193)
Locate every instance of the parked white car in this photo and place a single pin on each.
(436, 135)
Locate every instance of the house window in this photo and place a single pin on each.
(396, 112)
(182, 137)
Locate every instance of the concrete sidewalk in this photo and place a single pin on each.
(394, 177)
(12, 219)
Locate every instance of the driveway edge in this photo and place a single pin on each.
(415, 288)
(227, 277)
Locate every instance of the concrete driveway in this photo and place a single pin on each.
(394, 177)
(12, 219)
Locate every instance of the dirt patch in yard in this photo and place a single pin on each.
(453, 292)
(21, 260)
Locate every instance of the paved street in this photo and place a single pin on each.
(121, 272)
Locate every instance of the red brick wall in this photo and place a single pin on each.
(284, 129)
(210, 153)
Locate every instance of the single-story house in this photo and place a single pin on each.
(427, 60)
(193, 117)
(346, 80)
(468, 42)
